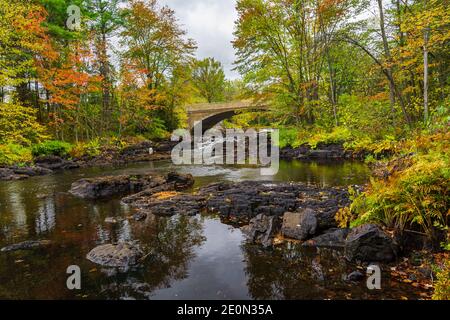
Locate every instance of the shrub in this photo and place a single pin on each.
(18, 125)
(90, 149)
(337, 135)
(14, 154)
(289, 137)
(52, 148)
(417, 196)
(442, 284)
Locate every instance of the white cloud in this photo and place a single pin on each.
(210, 23)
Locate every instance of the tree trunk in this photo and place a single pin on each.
(37, 103)
(332, 90)
(104, 71)
(425, 71)
(387, 54)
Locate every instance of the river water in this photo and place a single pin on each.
(195, 257)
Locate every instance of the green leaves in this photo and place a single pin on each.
(208, 78)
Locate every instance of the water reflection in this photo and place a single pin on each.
(169, 244)
(46, 217)
(294, 272)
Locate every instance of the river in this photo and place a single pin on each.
(195, 257)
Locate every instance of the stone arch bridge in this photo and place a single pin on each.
(210, 114)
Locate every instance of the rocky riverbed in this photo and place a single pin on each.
(268, 213)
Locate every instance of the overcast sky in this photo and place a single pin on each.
(210, 23)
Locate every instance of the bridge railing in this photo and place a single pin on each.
(221, 105)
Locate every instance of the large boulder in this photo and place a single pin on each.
(261, 229)
(369, 243)
(299, 225)
(122, 255)
(102, 187)
(140, 185)
(332, 238)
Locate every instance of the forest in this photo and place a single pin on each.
(370, 76)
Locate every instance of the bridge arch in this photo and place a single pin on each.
(210, 114)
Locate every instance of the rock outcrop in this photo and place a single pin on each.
(332, 238)
(55, 163)
(299, 225)
(27, 245)
(140, 185)
(122, 255)
(369, 243)
(261, 229)
(239, 202)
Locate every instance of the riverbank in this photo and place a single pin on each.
(107, 156)
(149, 151)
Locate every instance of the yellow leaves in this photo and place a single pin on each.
(343, 217)
(18, 124)
(165, 195)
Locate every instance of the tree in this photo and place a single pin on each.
(209, 79)
(22, 39)
(281, 45)
(156, 48)
(105, 19)
(154, 40)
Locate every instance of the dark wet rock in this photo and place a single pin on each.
(181, 181)
(55, 163)
(139, 216)
(31, 171)
(141, 152)
(322, 152)
(158, 184)
(27, 245)
(239, 202)
(261, 229)
(294, 153)
(355, 276)
(165, 146)
(6, 174)
(178, 204)
(102, 187)
(121, 255)
(369, 243)
(137, 149)
(299, 225)
(332, 238)
(19, 173)
(171, 183)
